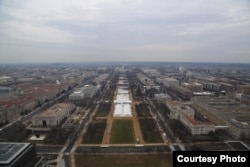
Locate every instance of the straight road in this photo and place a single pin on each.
(162, 122)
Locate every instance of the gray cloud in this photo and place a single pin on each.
(122, 30)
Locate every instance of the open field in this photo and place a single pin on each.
(122, 131)
(124, 160)
(149, 130)
(95, 132)
(142, 110)
(104, 109)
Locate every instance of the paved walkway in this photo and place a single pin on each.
(107, 132)
(80, 138)
(161, 131)
(137, 127)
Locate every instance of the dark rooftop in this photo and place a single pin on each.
(8, 151)
(238, 146)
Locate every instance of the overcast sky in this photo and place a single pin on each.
(124, 30)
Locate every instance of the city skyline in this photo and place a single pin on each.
(124, 31)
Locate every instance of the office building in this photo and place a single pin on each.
(53, 116)
(17, 154)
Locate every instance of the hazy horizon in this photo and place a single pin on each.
(62, 31)
(124, 62)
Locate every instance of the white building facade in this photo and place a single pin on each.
(177, 109)
(53, 116)
(196, 127)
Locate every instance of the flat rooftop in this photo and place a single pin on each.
(174, 103)
(238, 145)
(195, 122)
(9, 151)
(162, 95)
(229, 108)
(55, 110)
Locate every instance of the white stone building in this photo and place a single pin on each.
(53, 116)
(76, 95)
(162, 97)
(169, 82)
(87, 91)
(196, 127)
(177, 109)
